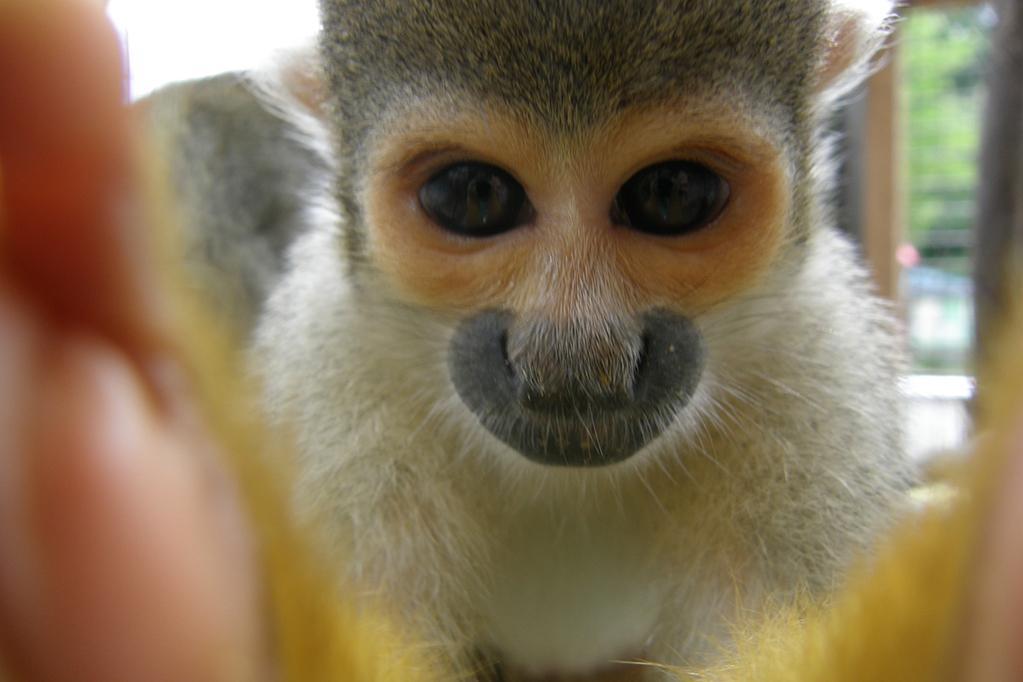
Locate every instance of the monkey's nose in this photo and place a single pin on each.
(562, 397)
(568, 370)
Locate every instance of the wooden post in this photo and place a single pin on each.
(883, 198)
(999, 228)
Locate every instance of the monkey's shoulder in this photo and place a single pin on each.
(240, 175)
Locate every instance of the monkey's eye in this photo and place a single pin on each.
(474, 200)
(671, 198)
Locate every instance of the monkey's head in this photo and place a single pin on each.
(575, 186)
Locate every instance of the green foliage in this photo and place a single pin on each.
(945, 55)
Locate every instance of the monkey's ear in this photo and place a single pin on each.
(293, 87)
(853, 33)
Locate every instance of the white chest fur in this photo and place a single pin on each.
(573, 590)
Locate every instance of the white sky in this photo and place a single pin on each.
(169, 40)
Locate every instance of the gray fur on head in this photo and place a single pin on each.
(567, 64)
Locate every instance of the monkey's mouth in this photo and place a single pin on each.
(611, 672)
(557, 413)
(593, 438)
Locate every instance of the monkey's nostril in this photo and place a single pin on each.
(671, 360)
(509, 367)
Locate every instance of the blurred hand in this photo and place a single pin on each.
(123, 555)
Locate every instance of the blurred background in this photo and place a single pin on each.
(173, 40)
(944, 51)
(908, 181)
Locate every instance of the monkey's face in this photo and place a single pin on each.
(575, 270)
(577, 186)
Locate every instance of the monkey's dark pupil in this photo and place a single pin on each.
(474, 199)
(478, 200)
(481, 189)
(672, 198)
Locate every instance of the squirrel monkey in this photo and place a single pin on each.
(110, 603)
(578, 368)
